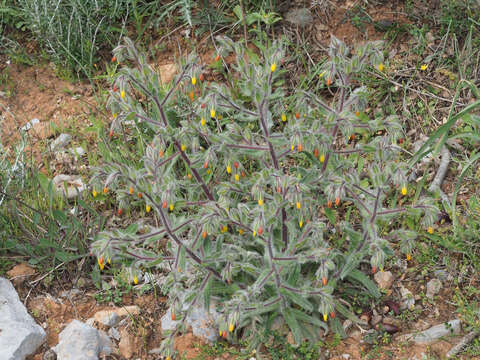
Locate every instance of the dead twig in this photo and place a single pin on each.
(467, 339)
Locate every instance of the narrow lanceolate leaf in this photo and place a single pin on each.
(293, 324)
(360, 277)
(298, 299)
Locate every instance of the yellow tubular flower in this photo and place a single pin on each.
(381, 67)
(135, 280)
(273, 67)
(299, 205)
(254, 233)
(231, 327)
(325, 317)
(203, 121)
(284, 117)
(183, 147)
(212, 113)
(171, 207)
(148, 208)
(300, 223)
(194, 80)
(260, 202)
(237, 177)
(122, 94)
(94, 193)
(404, 190)
(322, 158)
(229, 169)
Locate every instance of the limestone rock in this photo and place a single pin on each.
(19, 334)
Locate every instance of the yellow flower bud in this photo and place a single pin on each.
(300, 223)
(237, 177)
(325, 317)
(148, 208)
(273, 67)
(430, 230)
(254, 233)
(183, 147)
(229, 169)
(409, 257)
(114, 115)
(122, 94)
(231, 327)
(299, 205)
(284, 117)
(203, 121)
(194, 80)
(240, 231)
(212, 113)
(424, 67)
(171, 207)
(404, 190)
(135, 280)
(94, 193)
(260, 202)
(322, 158)
(381, 67)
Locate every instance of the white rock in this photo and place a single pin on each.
(203, 322)
(78, 151)
(114, 334)
(408, 301)
(433, 288)
(79, 341)
(75, 185)
(19, 334)
(384, 279)
(431, 335)
(107, 317)
(30, 124)
(60, 142)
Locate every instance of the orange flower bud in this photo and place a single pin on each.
(297, 115)
(204, 234)
(329, 82)
(329, 204)
(217, 58)
(235, 164)
(130, 190)
(337, 201)
(374, 269)
(173, 316)
(201, 77)
(324, 281)
(299, 147)
(164, 204)
(191, 95)
(205, 164)
(315, 152)
(139, 195)
(105, 190)
(119, 212)
(111, 133)
(332, 315)
(114, 59)
(260, 230)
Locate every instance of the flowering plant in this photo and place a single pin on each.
(268, 202)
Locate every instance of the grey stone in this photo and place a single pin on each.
(408, 301)
(74, 185)
(30, 124)
(60, 142)
(114, 334)
(434, 333)
(78, 151)
(202, 321)
(107, 317)
(19, 334)
(443, 275)
(79, 341)
(106, 346)
(433, 288)
(301, 17)
(49, 355)
(384, 279)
